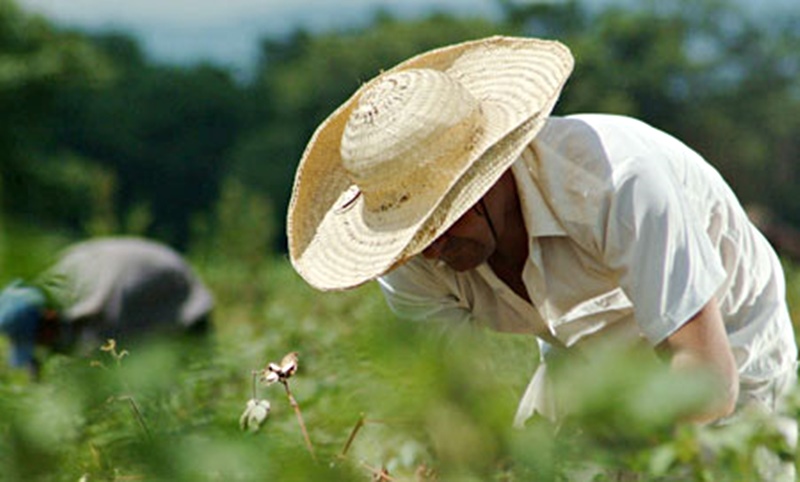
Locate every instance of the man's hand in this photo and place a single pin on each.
(702, 344)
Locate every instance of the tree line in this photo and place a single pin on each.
(97, 137)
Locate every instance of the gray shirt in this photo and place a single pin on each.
(116, 286)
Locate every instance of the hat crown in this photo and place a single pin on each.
(403, 127)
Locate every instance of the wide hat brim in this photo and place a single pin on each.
(335, 244)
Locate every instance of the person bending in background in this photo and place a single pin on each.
(447, 180)
(99, 289)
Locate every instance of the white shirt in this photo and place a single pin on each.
(631, 232)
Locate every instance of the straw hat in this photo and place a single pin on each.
(412, 150)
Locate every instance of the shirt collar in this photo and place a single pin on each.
(539, 218)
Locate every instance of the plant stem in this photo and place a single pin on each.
(137, 414)
(296, 407)
(381, 475)
(255, 374)
(353, 433)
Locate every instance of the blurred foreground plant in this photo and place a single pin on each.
(627, 416)
(385, 400)
(110, 347)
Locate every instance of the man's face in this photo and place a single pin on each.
(47, 332)
(467, 244)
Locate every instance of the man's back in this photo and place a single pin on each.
(126, 285)
(627, 225)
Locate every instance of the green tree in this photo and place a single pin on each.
(722, 81)
(164, 132)
(36, 62)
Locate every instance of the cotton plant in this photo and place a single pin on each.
(257, 409)
(255, 414)
(280, 372)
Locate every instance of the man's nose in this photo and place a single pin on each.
(434, 250)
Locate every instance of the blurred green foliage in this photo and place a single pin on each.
(36, 60)
(375, 393)
(97, 139)
(161, 141)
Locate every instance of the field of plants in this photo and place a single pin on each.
(97, 138)
(373, 398)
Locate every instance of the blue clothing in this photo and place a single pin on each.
(21, 309)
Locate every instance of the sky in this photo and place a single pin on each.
(226, 32)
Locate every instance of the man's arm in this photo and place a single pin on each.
(701, 343)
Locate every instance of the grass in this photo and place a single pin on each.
(376, 395)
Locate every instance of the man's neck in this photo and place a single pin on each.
(511, 252)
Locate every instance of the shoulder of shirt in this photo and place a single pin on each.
(582, 124)
(415, 267)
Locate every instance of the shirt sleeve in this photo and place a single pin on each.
(414, 291)
(667, 265)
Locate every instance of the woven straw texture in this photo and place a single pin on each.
(412, 150)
